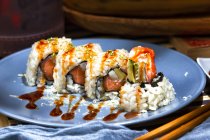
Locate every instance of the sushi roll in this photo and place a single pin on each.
(148, 96)
(106, 74)
(41, 60)
(144, 89)
(70, 69)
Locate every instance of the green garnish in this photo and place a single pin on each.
(111, 52)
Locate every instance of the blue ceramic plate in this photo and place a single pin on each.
(186, 76)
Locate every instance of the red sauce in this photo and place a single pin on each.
(32, 97)
(57, 111)
(92, 112)
(198, 42)
(70, 115)
(130, 115)
(112, 116)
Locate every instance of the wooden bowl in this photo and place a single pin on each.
(140, 8)
(138, 26)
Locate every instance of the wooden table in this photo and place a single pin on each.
(75, 32)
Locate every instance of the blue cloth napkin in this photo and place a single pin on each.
(95, 130)
(201, 132)
(89, 131)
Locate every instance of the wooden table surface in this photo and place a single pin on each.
(76, 32)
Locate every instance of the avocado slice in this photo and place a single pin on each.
(130, 71)
(121, 75)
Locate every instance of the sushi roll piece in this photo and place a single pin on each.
(106, 74)
(41, 60)
(70, 69)
(145, 89)
(148, 96)
(141, 69)
(141, 65)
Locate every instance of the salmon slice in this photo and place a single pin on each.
(112, 85)
(47, 66)
(78, 75)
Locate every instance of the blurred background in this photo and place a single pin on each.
(177, 24)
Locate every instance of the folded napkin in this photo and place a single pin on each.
(95, 130)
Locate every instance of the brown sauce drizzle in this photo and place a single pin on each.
(109, 55)
(69, 54)
(65, 116)
(70, 114)
(112, 109)
(112, 116)
(209, 72)
(138, 95)
(41, 45)
(57, 111)
(32, 97)
(130, 115)
(88, 55)
(89, 52)
(92, 112)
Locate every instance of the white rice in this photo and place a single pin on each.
(151, 98)
(74, 88)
